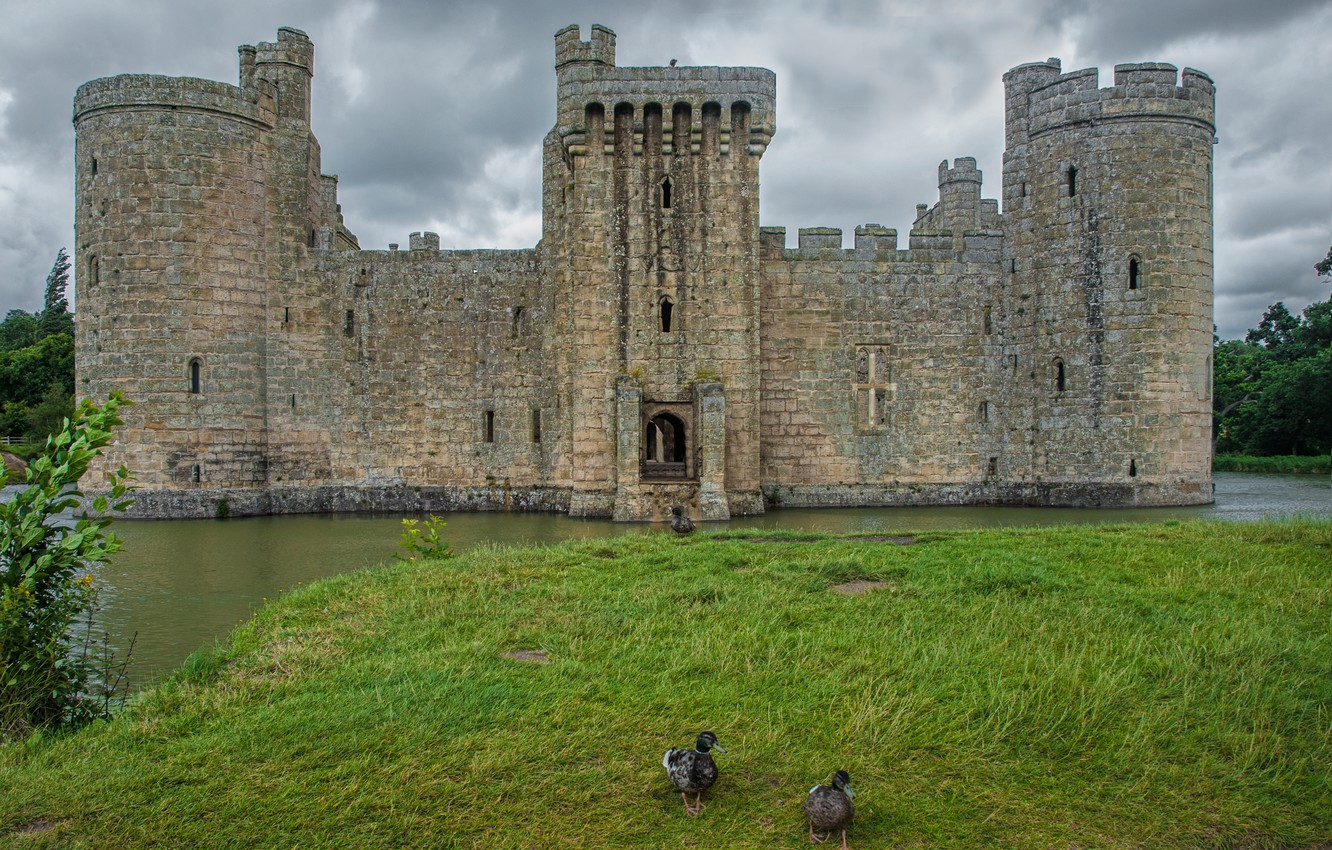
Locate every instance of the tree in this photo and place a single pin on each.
(1276, 332)
(1324, 266)
(55, 317)
(18, 330)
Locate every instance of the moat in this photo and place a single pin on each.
(182, 585)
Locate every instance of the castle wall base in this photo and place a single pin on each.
(1048, 494)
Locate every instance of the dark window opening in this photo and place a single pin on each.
(489, 426)
(93, 271)
(196, 473)
(1133, 468)
(984, 411)
(667, 313)
(1012, 266)
(1072, 180)
(313, 236)
(1133, 272)
(666, 193)
(536, 426)
(286, 315)
(664, 447)
(349, 322)
(196, 376)
(519, 321)
(1015, 362)
(94, 166)
(989, 324)
(1060, 375)
(293, 401)
(993, 468)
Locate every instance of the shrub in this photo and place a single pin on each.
(423, 542)
(48, 673)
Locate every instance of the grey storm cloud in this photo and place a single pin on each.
(432, 113)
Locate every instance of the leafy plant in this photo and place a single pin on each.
(46, 668)
(423, 541)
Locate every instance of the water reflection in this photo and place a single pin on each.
(185, 584)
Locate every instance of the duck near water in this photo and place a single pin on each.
(693, 771)
(830, 808)
(681, 524)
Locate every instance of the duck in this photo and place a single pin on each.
(830, 808)
(693, 771)
(681, 524)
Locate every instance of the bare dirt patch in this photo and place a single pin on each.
(40, 826)
(532, 656)
(853, 588)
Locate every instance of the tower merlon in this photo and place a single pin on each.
(293, 48)
(569, 48)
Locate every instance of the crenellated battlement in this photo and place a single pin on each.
(591, 91)
(1041, 99)
(600, 50)
(293, 48)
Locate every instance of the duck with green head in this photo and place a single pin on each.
(830, 808)
(693, 771)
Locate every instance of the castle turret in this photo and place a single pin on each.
(1108, 208)
(171, 275)
(652, 198)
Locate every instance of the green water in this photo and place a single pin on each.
(185, 584)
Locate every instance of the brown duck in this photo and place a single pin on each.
(830, 808)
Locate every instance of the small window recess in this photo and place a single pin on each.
(1133, 468)
(196, 473)
(519, 321)
(1061, 382)
(989, 321)
(349, 323)
(984, 411)
(94, 271)
(196, 376)
(286, 315)
(666, 193)
(94, 166)
(488, 426)
(1134, 272)
(536, 425)
(1072, 180)
(667, 313)
(293, 401)
(313, 236)
(992, 469)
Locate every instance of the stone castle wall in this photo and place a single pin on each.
(658, 348)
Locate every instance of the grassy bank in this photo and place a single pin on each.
(1143, 686)
(1286, 464)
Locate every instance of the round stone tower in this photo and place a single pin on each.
(1108, 313)
(171, 281)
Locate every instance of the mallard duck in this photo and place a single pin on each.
(693, 770)
(681, 524)
(830, 808)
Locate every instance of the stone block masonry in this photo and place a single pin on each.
(658, 348)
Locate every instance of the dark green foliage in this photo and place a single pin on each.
(47, 670)
(37, 362)
(1280, 464)
(18, 330)
(1272, 393)
(1324, 266)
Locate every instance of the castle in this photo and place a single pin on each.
(658, 347)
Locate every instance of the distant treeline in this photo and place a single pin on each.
(37, 363)
(1272, 391)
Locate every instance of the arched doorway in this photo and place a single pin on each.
(665, 446)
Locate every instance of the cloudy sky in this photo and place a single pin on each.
(432, 111)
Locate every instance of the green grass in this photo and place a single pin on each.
(1135, 686)
(1299, 464)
